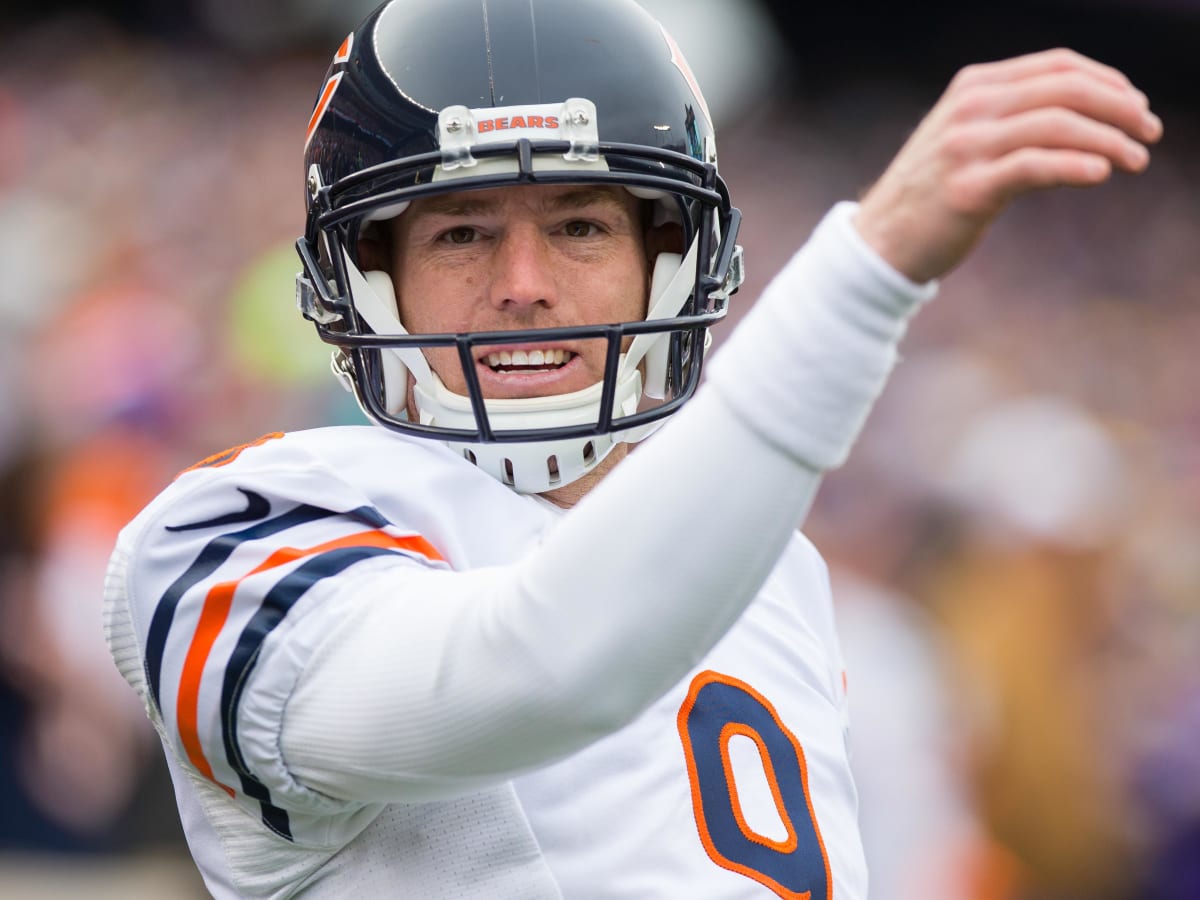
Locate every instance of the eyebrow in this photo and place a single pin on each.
(450, 205)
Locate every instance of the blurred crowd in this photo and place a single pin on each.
(1015, 544)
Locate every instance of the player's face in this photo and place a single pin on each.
(532, 256)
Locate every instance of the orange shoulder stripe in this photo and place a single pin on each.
(225, 457)
(215, 613)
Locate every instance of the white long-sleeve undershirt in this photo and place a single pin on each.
(443, 682)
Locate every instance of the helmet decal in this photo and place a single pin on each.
(343, 52)
(680, 62)
(325, 98)
(322, 106)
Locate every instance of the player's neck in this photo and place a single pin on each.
(570, 494)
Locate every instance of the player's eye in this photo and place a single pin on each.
(580, 229)
(461, 235)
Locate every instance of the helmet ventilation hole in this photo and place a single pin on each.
(552, 470)
(470, 457)
(509, 478)
(589, 453)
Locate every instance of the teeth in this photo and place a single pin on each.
(528, 358)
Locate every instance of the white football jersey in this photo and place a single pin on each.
(734, 784)
(377, 672)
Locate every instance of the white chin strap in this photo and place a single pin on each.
(536, 466)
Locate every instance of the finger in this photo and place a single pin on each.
(1123, 108)
(1035, 168)
(1044, 62)
(1061, 129)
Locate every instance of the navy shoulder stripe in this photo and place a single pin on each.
(216, 552)
(275, 606)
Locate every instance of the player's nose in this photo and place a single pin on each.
(522, 271)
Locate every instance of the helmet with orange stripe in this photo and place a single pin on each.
(429, 97)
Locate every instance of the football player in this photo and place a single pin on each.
(476, 649)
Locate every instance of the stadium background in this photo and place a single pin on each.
(1015, 544)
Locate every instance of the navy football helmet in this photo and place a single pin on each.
(434, 96)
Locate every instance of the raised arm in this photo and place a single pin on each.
(520, 649)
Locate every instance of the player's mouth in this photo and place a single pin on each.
(531, 371)
(527, 362)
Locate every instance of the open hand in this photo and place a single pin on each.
(1000, 129)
